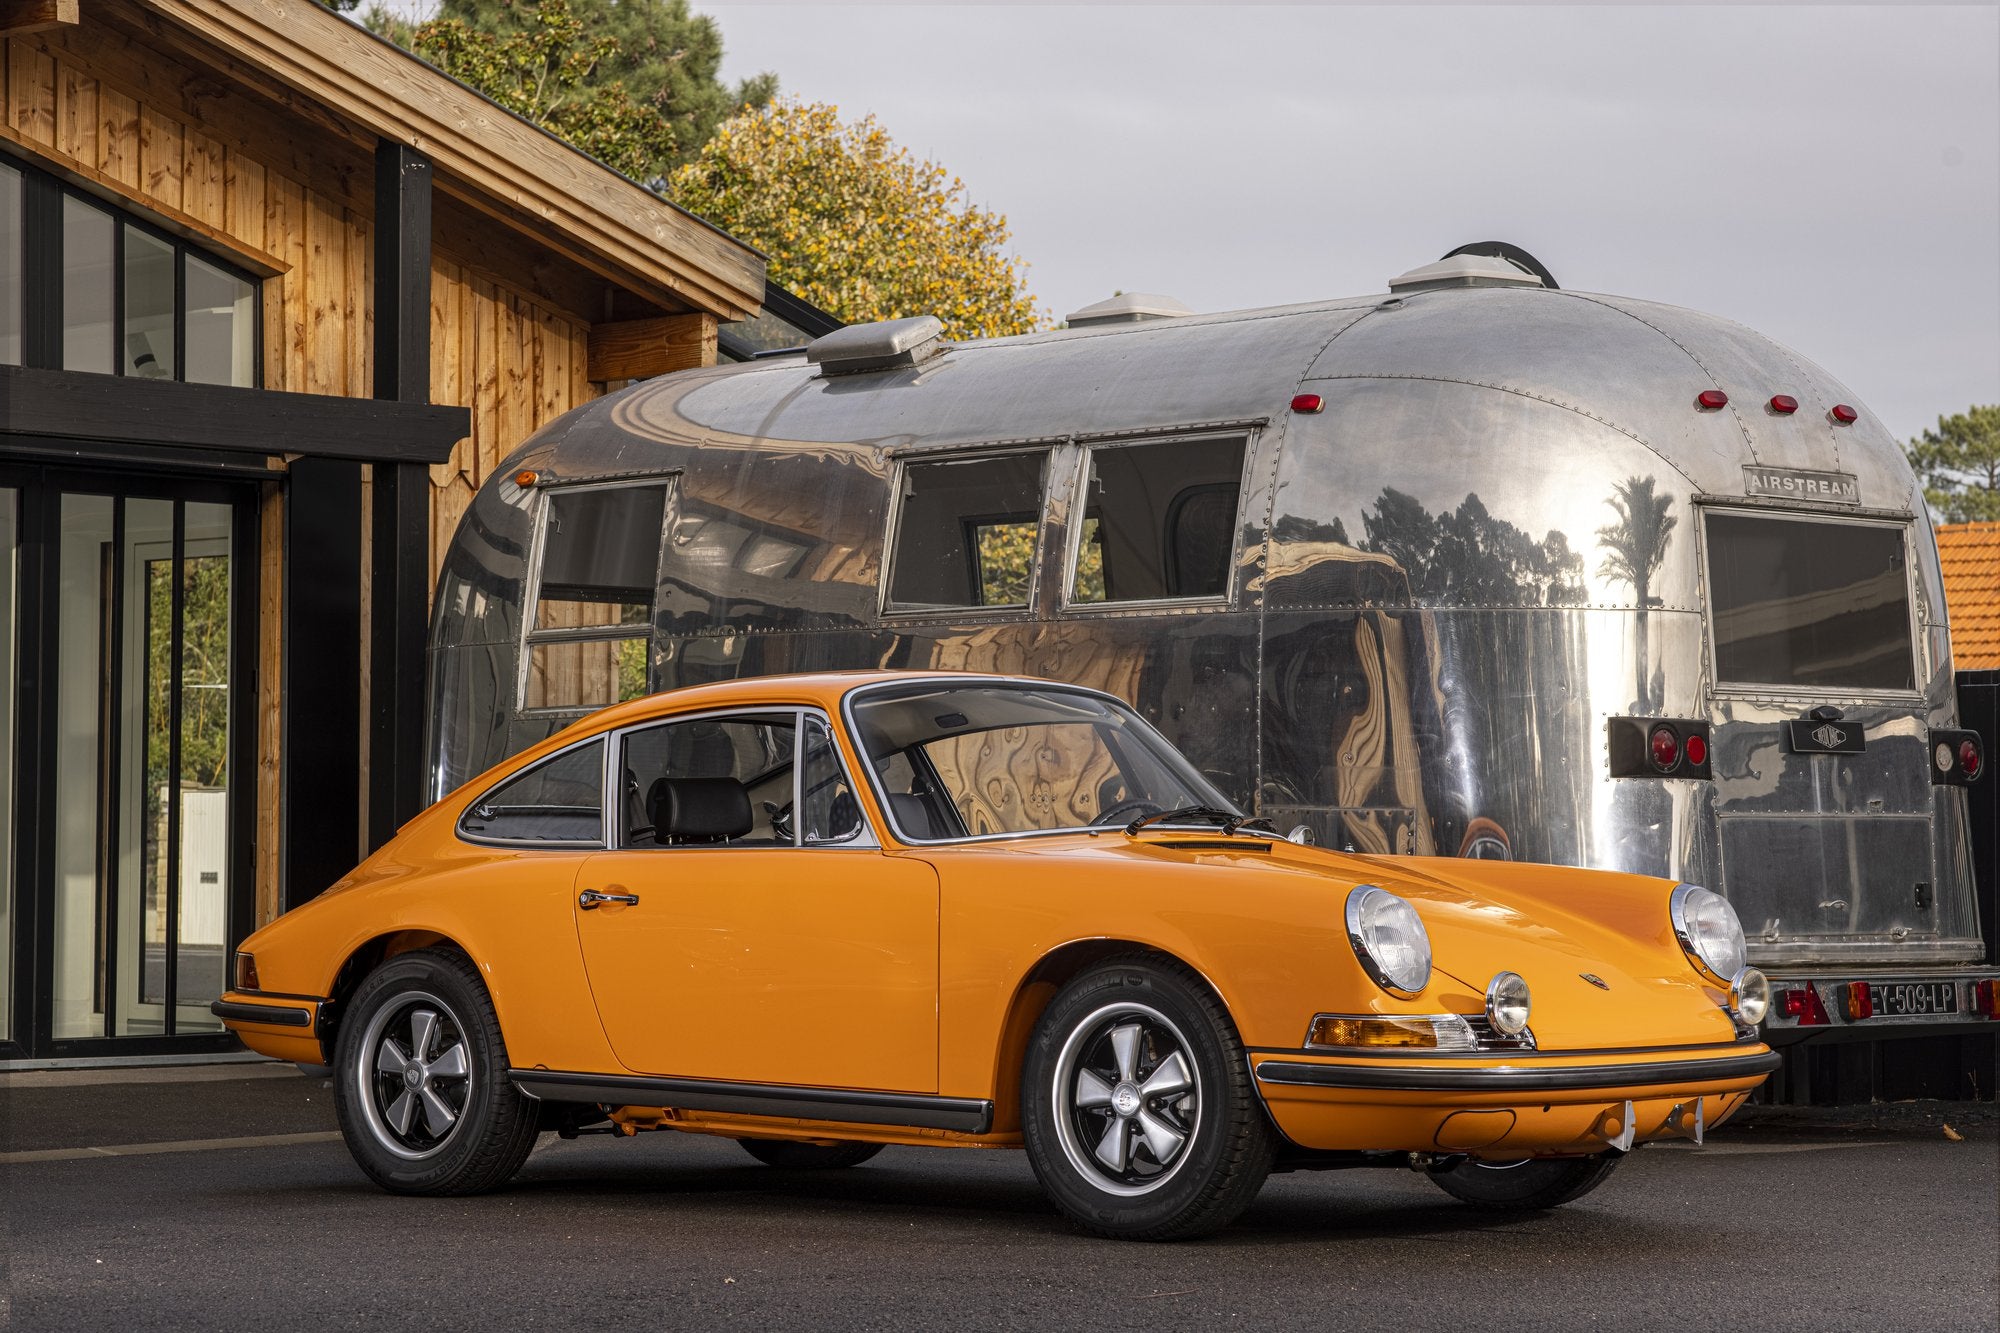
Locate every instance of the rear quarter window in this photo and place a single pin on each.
(559, 801)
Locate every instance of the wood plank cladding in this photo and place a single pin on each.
(500, 165)
(35, 15)
(638, 349)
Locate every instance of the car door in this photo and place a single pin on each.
(746, 925)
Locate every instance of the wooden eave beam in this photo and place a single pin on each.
(639, 349)
(19, 16)
(496, 163)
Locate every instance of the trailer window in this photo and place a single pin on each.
(1159, 521)
(1810, 603)
(965, 532)
(600, 555)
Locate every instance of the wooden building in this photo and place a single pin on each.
(274, 297)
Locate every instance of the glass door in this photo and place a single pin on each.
(10, 615)
(145, 611)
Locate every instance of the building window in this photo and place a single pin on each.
(593, 610)
(1159, 521)
(126, 298)
(965, 532)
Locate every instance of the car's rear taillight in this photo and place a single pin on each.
(246, 972)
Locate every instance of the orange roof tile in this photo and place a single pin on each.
(1970, 553)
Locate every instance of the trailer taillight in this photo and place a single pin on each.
(1858, 1000)
(1986, 999)
(1784, 404)
(1657, 747)
(1802, 1005)
(1711, 399)
(1958, 758)
(1307, 402)
(1843, 415)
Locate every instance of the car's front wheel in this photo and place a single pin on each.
(1528, 1186)
(1136, 1104)
(420, 1080)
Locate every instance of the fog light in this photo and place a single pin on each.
(1750, 996)
(246, 972)
(1507, 1003)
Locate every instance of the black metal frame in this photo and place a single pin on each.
(42, 240)
(41, 489)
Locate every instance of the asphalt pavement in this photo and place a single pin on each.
(221, 1198)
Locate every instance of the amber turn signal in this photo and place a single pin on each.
(246, 972)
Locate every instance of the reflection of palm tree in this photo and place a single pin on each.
(1638, 546)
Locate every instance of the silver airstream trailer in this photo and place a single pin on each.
(1477, 567)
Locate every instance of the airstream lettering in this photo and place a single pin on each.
(1479, 568)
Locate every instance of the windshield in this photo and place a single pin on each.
(976, 760)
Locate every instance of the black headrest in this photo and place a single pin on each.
(699, 809)
(913, 815)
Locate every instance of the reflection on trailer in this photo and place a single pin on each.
(1478, 568)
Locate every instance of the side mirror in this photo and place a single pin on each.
(1302, 835)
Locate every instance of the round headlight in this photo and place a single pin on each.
(1389, 939)
(1708, 929)
(1507, 1003)
(1750, 996)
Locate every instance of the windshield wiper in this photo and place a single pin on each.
(1231, 822)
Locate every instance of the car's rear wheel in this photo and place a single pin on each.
(420, 1080)
(1529, 1186)
(792, 1156)
(1137, 1108)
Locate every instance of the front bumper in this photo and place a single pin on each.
(1507, 1105)
(284, 1027)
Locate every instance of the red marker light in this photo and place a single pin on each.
(1784, 404)
(1711, 399)
(1697, 751)
(1666, 748)
(1802, 1004)
(1970, 759)
(1844, 415)
(1308, 402)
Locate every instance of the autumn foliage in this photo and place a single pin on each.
(855, 224)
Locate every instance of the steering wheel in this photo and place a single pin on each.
(1126, 811)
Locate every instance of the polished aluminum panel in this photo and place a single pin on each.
(1485, 543)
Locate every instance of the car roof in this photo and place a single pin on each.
(822, 688)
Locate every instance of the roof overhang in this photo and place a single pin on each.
(309, 59)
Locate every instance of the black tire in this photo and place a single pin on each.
(464, 1128)
(1521, 1187)
(792, 1156)
(1084, 1049)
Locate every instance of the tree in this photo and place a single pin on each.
(1637, 543)
(1959, 463)
(855, 224)
(631, 82)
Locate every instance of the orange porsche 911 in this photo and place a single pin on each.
(820, 914)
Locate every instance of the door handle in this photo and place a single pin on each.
(590, 899)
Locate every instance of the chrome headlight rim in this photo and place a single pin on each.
(1749, 996)
(1507, 992)
(1403, 987)
(1680, 908)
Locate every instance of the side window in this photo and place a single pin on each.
(832, 814)
(710, 782)
(560, 800)
(1159, 521)
(965, 532)
(588, 635)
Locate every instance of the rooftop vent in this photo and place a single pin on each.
(1127, 308)
(893, 344)
(1481, 264)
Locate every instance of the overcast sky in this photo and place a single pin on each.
(1829, 176)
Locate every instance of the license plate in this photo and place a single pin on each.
(1904, 998)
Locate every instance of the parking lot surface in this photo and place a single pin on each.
(224, 1200)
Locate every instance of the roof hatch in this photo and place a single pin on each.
(1481, 264)
(1127, 308)
(892, 344)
